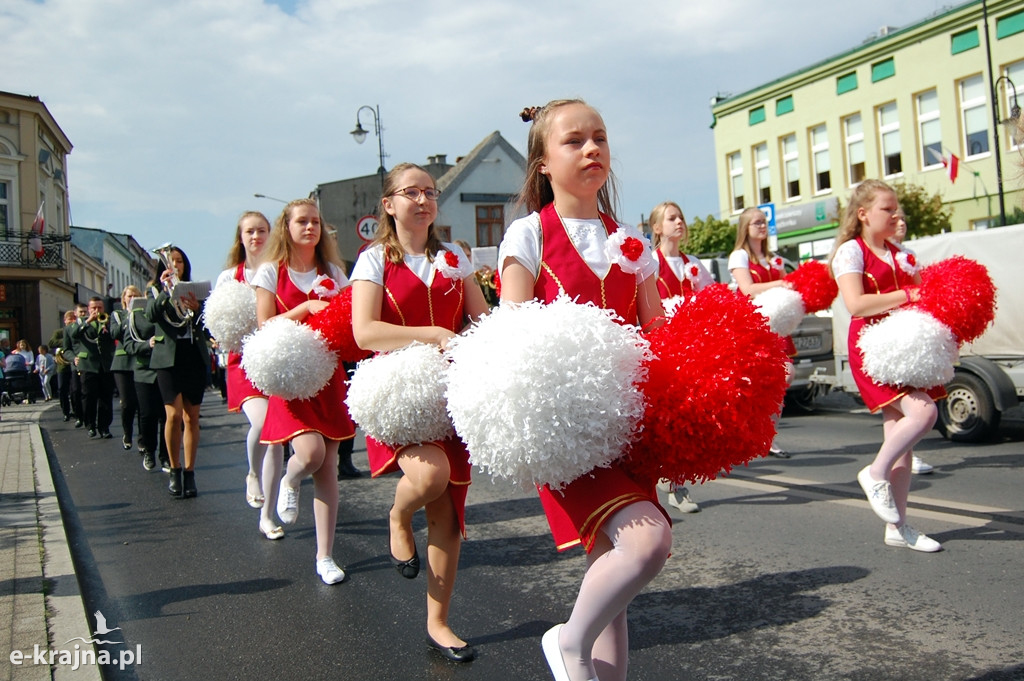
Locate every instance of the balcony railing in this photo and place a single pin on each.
(15, 251)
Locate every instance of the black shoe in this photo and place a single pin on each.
(778, 453)
(148, 462)
(105, 434)
(464, 654)
(188, 484)
(347, 470)
(174, 486)
(66, 418)
(93, 433)
(165, 465)
(408, 568)
(78, 423)
(126, 442)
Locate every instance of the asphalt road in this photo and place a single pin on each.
(783, 575)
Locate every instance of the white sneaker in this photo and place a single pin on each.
(681, 500)
(664, 485)
(329, 571)
(288, 504)
(907, 537)
(919, 467)
(879, 493)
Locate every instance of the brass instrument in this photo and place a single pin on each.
(61, 359)
(103, 318)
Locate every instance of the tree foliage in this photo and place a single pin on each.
(926, 215)
(710, 236)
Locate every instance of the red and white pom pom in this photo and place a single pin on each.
(815, 284)
(546, 393)
(783, 307)
(288, 359)
(959, 293)
(717, 379)
(909, 348)
(230, 313)
(334, 323)
(398, 397)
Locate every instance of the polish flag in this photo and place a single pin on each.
(952, 167)
(38, 225)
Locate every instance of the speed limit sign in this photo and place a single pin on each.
(366, 228)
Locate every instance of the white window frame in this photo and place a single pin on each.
(762, 173)
(819, 150)
(928, 120)
(790, 153)
(735, 164)
(974, 107)
(888, 117)
(1014, 74)
(854, 144)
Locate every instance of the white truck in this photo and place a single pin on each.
(989, 379)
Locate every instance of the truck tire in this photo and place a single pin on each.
(968, 414)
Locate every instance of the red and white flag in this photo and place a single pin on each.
(952, 165)
(38, 225)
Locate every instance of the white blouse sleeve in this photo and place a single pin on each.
(370, 266)
(739, 260)
(522, 243)
(849, 259)
(266, 277)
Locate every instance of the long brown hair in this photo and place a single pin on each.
(236, 256)
(387, 230)
(743, 235)
(279, 245)
(537, 192)
(863, 195)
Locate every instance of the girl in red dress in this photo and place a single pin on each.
(679, 276)
(873, 280)
(755, 270)
(560, 248)
(288, 284)
(399, 296)
(251, 236)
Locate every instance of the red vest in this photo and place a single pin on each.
(668, 284)
(409, 302)
(761, 274)
(563, 270)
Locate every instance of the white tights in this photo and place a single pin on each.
(904, 423)
(629, 552)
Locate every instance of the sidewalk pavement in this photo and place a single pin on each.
(40, 602)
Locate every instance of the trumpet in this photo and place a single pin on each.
(103, 318)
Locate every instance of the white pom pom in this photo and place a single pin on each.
(670, 305)
(288, 359)
(909, 348)
(230, 313)
(546, 393)
(398, 397)
(783, 307)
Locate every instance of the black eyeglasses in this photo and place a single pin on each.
(414, 193)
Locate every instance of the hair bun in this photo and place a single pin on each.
(529, 113)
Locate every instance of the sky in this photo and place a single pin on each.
(180, 111)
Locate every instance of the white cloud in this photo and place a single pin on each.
(180, 110)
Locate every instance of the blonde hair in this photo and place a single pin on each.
(658, 214)
(850, 226)
(743, 235)
(236, 256)
(279, 245)
(133, 289)
(387, 230)
(537, 192)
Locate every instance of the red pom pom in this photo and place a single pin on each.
(959, 293)
(718, 378)
(815, 285)
(334, 323)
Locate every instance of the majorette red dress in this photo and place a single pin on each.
(240, 388)
(325, 412)
(760, 274)
(407, 301)
(669, 285)
(577, 511)
(879, 277)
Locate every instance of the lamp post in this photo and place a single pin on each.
(1012, 120)
(264, 196)
(359, 134)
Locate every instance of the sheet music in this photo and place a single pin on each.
(201, 289)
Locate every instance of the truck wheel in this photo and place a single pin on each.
(968, 413)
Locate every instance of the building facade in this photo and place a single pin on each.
(905, 106)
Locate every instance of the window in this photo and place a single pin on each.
(883, 69)
(756, 116)
(819, 154)
(5, 191)
(490, 225)
(974, 116)
(1015, 74)
(784, 105)
(854, 132)
(763, 173)
(791, 167)
(1008, 25)
(444, 232)
(929, 129)
(846, 83)
(889, 132)
(735, 162)
(963, 41)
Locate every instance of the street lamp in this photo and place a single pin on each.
(264, 196)
(359, 134)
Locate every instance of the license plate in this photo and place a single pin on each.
(807, 342)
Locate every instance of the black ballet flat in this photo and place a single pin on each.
(464, 654)
(407, 568)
